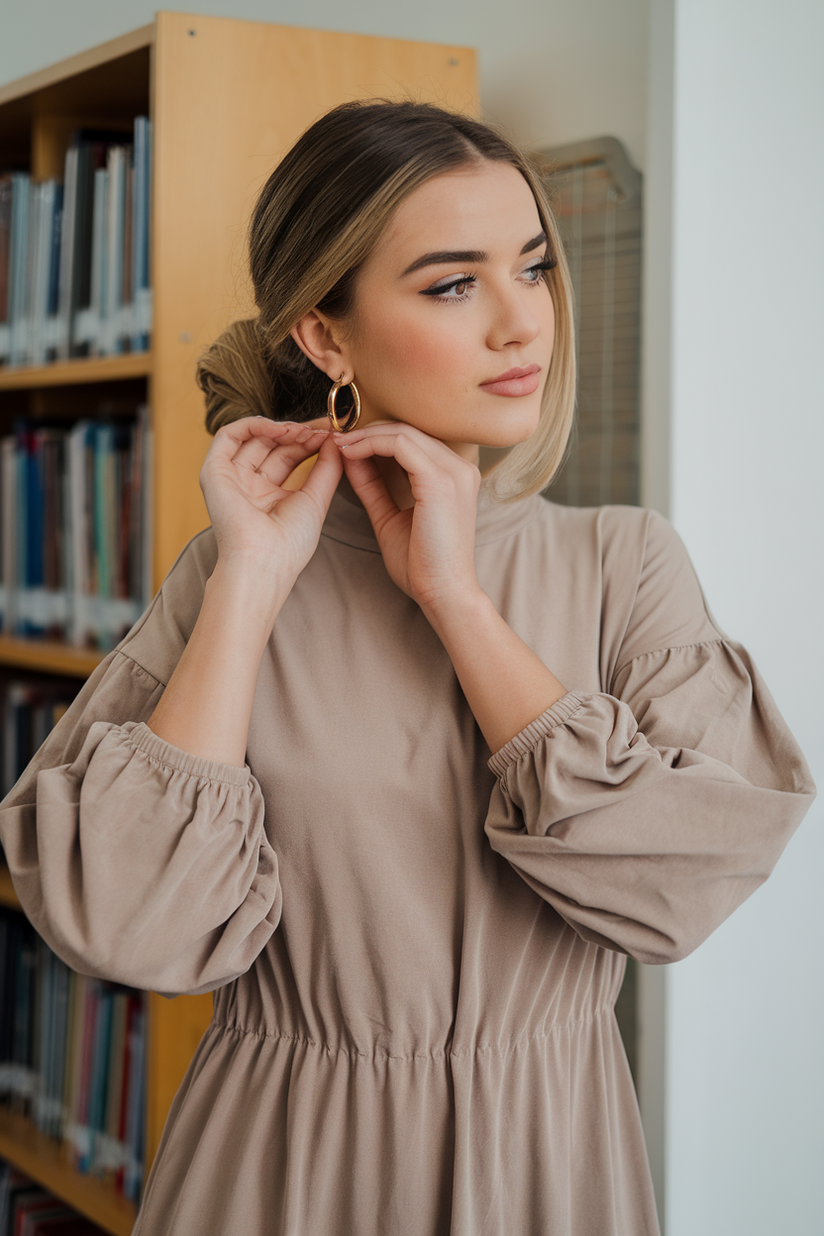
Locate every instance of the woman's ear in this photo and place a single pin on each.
(315, 336)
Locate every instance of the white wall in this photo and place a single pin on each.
(734, 335)
(552, 71)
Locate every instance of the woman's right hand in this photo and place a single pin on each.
(257, 522)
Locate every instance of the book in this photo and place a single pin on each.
(5, 243)
(75, 534)
(28, 1209)
(18, 290)
(72, 1052)
(35, 1206)
(8, 535)
(74, 254)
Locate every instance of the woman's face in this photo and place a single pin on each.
(452, 300)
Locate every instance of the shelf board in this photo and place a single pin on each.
(93, 58)
(49, 658)
(72, 372)
(42, 1158)
(8, 897)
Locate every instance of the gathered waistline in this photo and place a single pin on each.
(445, 1053)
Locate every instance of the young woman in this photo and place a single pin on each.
(399, 763)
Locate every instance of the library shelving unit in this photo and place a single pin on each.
(226, 99)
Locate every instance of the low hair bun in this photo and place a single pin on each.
(234, 376)
(241, 375)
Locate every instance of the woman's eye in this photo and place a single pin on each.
(460, 287)
(537, 271)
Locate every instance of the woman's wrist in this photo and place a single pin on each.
(505, 684)
(452, 613)
(258, 590)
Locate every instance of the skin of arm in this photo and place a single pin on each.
(207, 704)
(266, 533)
(505, 684)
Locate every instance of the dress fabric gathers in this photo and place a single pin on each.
(414, 944)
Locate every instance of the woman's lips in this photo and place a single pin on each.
(514, 382)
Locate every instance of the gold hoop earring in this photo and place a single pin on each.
(354, 414)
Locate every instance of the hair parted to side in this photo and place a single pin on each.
(319, 216)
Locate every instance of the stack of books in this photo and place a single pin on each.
(75, 530)
(74, 256)
(72, 1057)
(26, 1209)
(29, 711)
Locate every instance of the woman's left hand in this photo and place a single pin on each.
(429, 549)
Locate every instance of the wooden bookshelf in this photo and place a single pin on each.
(8, 897)
(76, 372)
(48, 658)
(226, 99)
(41, 1158)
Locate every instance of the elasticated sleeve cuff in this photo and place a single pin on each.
(162, 752)
(531, 735)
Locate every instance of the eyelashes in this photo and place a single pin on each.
(467, 281)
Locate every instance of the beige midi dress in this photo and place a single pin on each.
(414, 948)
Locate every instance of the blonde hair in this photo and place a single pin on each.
(319, 216)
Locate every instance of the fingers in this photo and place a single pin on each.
(416, 460)
(392, 431)
(272, 448)
(366, 480)
(282, 460)
(404, 438)
(322, 481)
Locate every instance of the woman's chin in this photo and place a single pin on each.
(503, 435)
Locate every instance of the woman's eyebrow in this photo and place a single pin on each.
(445, 256)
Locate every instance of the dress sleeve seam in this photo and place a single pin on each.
(142, 668)
(144, 740)
(658, 652)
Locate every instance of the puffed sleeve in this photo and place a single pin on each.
(134, 860)
(645, 814)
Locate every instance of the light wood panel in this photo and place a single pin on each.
(8, 897)
(257, 88)
(175, 1029)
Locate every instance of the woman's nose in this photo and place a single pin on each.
(513, 320)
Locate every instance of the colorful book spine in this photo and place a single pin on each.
(72, 1057)
(5, 252)
(27, 1209)
(74, 530)
(74, 255)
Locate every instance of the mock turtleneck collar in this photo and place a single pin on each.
(348, 523)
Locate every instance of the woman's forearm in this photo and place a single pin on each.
(506, 685)
(207, 704)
